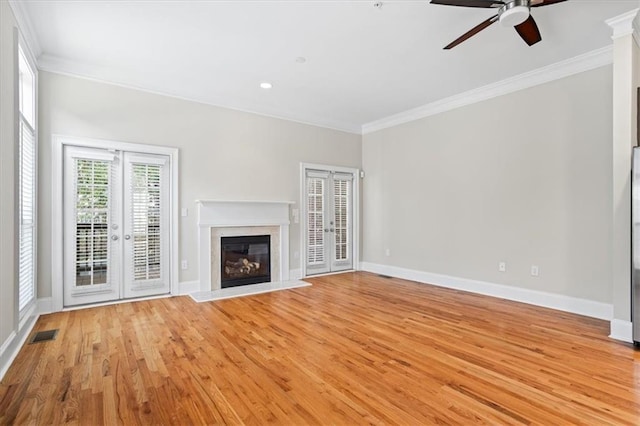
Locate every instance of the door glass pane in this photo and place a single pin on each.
(315, 218)
(92, 199)
(341, 213)
(145, 211)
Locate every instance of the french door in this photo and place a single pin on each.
(329, 221)
(116, 227)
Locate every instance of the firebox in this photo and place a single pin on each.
(245, 260)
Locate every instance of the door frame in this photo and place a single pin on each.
(355, 228)
(57, 205)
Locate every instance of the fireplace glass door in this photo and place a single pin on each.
(245, 260)
(329, 221)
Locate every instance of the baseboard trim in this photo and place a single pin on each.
(7, 343)
(11, 347)
(188, 287)
(621, 330)
(532, 297)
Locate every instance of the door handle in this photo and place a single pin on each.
(127, 237)
(326, 230)
(114, 237)
(332, 230)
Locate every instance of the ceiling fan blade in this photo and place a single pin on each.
(475, 30)
(538, 3)
(529, 31)
(470, 3)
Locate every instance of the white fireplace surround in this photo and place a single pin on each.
(218, 217)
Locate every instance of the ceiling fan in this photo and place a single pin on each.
(511, 13)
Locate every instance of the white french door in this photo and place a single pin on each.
(116, 225)
(329, 221)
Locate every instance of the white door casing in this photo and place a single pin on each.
(330, 219)
(116, 225)
(169, 207)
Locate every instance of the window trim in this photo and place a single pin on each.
(20, 45)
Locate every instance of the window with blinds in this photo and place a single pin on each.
(341, 213)
(146, 214)
(315, 217)
(26, 182)
(92, 206)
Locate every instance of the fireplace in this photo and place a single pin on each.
(245, 260)
(218, 219)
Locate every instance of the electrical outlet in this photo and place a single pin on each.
(387, 252)
(502, 266)
(185, 212)
(184, 264)
(535, 271)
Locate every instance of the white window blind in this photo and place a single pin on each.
(315, 217)
(341, 197)
(146, 214)
(26, 182)
(26, 269)
(92, 207)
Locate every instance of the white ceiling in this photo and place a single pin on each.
(362, 63)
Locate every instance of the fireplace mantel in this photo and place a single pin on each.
(235, 214)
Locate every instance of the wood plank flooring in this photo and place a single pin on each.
(354, 348)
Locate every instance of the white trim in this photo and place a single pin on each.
(57, 65)
(303, 210)
(23, 46)
(245, 201)
(5, 363)
(58, 142)
(295, 274)
(26, 27)
(588, 61)
(115, 302)
(621, 330)
(10, 348)
(188, 287)
(5, 345)
(538, 298)
(622, 25)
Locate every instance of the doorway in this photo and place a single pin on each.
(117, 222)
(329, 216)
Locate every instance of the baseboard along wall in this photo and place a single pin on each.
(620, 330)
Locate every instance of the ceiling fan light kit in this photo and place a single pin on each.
(511, 13)
(515, 13)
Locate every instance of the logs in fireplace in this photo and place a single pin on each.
(245, 260)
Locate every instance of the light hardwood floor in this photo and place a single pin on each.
(354, 348)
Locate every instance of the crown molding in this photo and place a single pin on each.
(588, 61)
(26, 27)
(622, 25)
(56, 65)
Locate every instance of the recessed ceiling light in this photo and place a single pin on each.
(266, 85)
(301, 59)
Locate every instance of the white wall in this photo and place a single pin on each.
(8, 205)
(224, 154)
(524, 178)
(13, 331)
